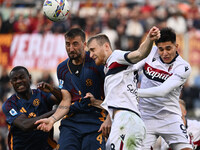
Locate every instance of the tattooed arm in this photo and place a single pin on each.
(63, 108)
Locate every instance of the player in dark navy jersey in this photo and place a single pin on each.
(26, 106)
(78, 75)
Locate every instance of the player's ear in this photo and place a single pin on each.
(176, 46)
(107, 45)
(85, 44)
(30, 77)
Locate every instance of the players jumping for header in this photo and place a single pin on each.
(128, 129)
(78, 75)
(164, 74)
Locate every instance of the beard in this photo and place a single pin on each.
(99, 61)
(74, 56)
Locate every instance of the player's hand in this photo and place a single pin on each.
(106, 127)
(45, 124)
(46, 87)
(91, 97)
(93, 101)
(154, 33)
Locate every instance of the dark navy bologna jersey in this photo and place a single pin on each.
(37, 105)
(91, 79)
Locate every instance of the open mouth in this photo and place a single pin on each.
(20, 87)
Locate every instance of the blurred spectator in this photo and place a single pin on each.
(134, 27)
(121, 43)
(3, 129)
(4, 83)
(147, 15)
(3, 125)
(177, 22)
(110, 31)
(21, 25)
(189, 94)
(5, 25)
(2, 143)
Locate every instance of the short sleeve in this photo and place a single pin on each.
(11, 111)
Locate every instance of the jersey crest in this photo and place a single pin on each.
(36, 102)
(89, 82)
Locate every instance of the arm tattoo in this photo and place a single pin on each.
(63, 107)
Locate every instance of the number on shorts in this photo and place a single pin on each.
(99, 138)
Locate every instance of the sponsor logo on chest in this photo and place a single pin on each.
(155, 74)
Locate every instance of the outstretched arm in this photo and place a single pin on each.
(27, 124)
(63, 108)
(145, 48)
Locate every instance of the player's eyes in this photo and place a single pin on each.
(75, 44)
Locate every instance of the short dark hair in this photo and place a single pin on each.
(75, 32)
(16, 68)
(166, 35)
(100, 38)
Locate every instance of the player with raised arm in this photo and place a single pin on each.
(25, 107)
(165, 72)
(127, 130)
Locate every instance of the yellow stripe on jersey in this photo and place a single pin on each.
(11, 138)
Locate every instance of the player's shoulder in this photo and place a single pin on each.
(62, 64)
(181, 61)
(182, 65)
(118, 51)
(37, 91)
(11, 100)
(88, 59)
(118, 54)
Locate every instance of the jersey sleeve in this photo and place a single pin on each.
(11, 111)
(121, 57)
(177, 79)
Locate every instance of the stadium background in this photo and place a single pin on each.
(28, 38)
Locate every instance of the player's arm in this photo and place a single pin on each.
(174, 81)
(63, 108)
(27, 124)
(57, 95)
(106, 126)
(160, 91)
(145, 48)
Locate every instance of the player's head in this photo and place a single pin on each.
(20, 79)
(75, 43)
(167, 47)
(100, 48)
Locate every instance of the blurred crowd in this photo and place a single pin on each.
(124, 23)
